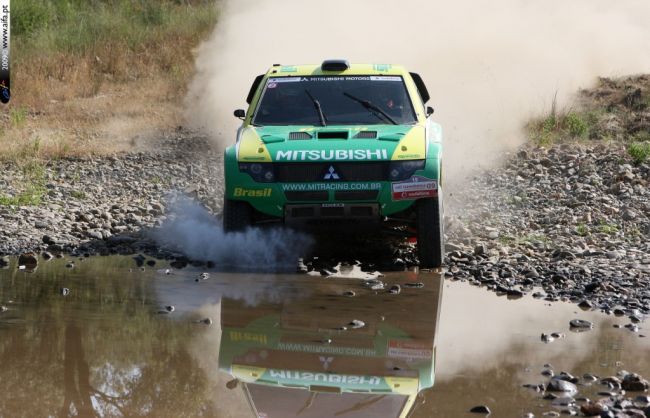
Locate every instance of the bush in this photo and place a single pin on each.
(575, 125)
(29, 16)
(639, 151)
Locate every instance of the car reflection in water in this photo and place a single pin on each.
(304, 359)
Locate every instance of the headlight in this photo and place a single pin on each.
(402, 170)
(260, 172)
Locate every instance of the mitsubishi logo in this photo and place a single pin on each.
(331, 174)
(326, 361)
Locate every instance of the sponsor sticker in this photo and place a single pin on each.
(248, 336)
(332, 155)
(409, 350)
(414, 188)
(299, 376)
(385, 78)
(318, 187)
(241, 192)
(272, 85)
(283, 80)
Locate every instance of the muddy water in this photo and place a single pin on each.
(282, 345)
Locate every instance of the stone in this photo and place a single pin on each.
(633, 382)
(481, 409)
(28, 260)
(559, 385)
(591, 409)
(395, 289)
(355, 324)
(580, 323)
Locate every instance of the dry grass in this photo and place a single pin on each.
(95, 77)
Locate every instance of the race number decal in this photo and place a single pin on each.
(414, 188)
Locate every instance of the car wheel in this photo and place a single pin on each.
(237, 215)
(430, 233)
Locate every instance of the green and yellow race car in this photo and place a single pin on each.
(338, 144)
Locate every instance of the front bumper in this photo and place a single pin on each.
(333, 200)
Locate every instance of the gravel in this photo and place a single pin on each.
(572, 221)
(106, 204)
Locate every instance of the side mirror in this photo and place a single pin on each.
(429, 111)
(240, 113)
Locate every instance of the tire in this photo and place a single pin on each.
(237, 215)
(430, 232)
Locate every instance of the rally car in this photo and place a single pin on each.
(338, 144)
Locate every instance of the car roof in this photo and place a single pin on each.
(354, 69)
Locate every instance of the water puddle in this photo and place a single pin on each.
(107, 338)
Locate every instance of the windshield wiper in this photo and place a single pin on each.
(318, 107)
(372, 107)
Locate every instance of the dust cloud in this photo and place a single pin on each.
(489, 66)
(194, 231)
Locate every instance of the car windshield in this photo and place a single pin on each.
(343, 100)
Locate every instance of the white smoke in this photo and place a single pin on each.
(195, 232)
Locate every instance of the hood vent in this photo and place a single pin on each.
(299, 135)
(366, 135)
(333, 135)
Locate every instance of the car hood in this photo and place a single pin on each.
(331, 143)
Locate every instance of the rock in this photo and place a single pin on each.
(28, 260)
(64, 291)
(69, 265)
(632, 382)
(395, 289)
(349, 293)
(559, 385)
(46, 256)
(480, 250)
(629, 215)
(585, 305)
(206, 321)
(481, 409)
(3, 309)
(116, 240)
(416, 285)
(591, 409)
(580, 324)
(355, 324)
(374, 284)
(48, 240)
(94, 234)
(4, 261)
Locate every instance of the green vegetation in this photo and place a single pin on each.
(605, 228)
(582, 230)
(556, 127)
(78, 194)
(610, 111)
(81, 44)
(81, 26)
(639, 151)
(17, 116)
(32, 187)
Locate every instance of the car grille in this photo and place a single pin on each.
(320, 196)
(315, 172)
(348, 195)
